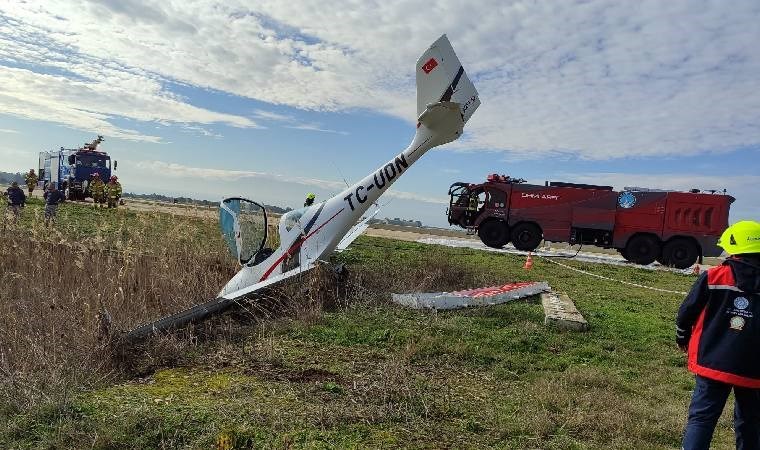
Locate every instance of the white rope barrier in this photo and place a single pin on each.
(575, 269)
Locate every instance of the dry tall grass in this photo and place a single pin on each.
(65, 294)
(62, 294)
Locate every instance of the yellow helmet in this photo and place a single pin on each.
(741, 237)
(311, 196)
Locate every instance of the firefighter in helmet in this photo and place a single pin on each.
(97, 189)
(309, 199)
(31, 181)
(718, 328)
(472, 208)
(113, 191)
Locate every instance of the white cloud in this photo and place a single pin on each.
(315, 127)
(600, 78)
(179, 171)
(268, 115)
(90, 105)
(293, 122)
(7, 130)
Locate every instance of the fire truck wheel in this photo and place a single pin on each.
(642, 249)
(494, 233)
(526, 236)
(680, 253)
(663, 259)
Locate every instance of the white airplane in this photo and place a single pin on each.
(446, 99)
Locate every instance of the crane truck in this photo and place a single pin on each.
(645, 225)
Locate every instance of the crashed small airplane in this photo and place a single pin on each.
(446, 99)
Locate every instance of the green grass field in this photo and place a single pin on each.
(369, 374)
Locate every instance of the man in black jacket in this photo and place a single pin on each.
(16, 200)
(52, 198)
(717, 327)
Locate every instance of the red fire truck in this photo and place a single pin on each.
(675, 228)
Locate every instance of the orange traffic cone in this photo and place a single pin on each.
(528, 262)
(696, 270)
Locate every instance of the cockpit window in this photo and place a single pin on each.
(291, 218)
(244, 227)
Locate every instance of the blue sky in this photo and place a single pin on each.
(272, 99)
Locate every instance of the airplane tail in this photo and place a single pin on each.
(441, 78)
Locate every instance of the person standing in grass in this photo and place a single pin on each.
(16, 200)
(113, 191)
(716, 326)
(97, 189)
(31, 181)
(53, 197)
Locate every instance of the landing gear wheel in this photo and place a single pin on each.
(494, 233)
(526, 236)
(680, 253)
(642, 249)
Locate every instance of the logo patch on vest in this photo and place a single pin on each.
(741, 303)
(740, 308)
(737, 323)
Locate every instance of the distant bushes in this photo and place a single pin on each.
(7, 178)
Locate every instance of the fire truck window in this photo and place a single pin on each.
(708, 217)
(496, 199)
(95, 161)
(460, 197)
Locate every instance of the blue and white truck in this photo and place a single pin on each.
(71, 170)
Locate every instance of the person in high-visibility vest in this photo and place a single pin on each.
(473, 205)
(472, 209)
(31, 181)
(97, 189)
(113, 192)
(716, 326)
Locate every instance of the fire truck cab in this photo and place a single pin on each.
(644, 225)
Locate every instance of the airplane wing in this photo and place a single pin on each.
(202, 311)
(356, 231)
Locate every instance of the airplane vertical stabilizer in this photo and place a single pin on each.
(441, 78)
